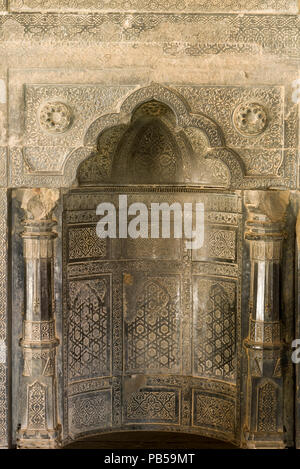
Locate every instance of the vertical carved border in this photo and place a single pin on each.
(3, 321)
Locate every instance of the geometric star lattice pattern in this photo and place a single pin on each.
(88, 329)
(215, 332)
(153, 334)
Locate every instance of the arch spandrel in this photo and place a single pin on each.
(183, 120)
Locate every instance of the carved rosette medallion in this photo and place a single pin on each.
(250, 119)
(55, 117)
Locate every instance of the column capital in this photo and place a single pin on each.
(38, 203)
(266, 214)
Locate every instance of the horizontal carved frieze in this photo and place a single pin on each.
(266, 251)
(47, 156)
(90, 411)
(38, 248)
(211, 410)
(148, 406)
(226, 32)
(264, 332)
(288, 6)
(39, 331)
(150, 400)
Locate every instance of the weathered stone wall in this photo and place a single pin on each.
(220, 57)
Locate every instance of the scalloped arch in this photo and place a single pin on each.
(184, 118)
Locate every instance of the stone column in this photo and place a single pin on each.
(38, 391)
(264, 346)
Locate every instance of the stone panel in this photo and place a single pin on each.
(97, 53)
(46, 154)
(152, 326)
(148, 406)
(215, 328)
(3, 321)
(199, 34)
(153, 371)
(220, 103)
(85, 244)
(90, 412)
(85, 103)
(287, 6)
(211, 410)
(3, 166)
(89, 328)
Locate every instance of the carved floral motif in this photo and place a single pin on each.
(55, 117)
(250, 119)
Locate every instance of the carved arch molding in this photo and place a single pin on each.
(127, 334)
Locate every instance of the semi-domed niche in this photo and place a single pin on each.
(152, 329)
(152, 149)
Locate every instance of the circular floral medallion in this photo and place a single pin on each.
(55, 117)
(250, 119)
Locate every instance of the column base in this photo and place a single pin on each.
(43, 439)
(264, 441)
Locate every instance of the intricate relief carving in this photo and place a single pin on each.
(3, 166)
(149, 406)
(152, 326)
(155, 109)
(214, 412)
(204, 170)
(3, 404)
(264, 332)
(222, 168)
(55, 117)
(169, 5)
(267, 408)
(87, 385)
(90, 411)
(261, 162)
(216, 202)
(221, 103)
(84, 243)
(276, 34)
(98, 167)
(37, 407)
(222, 244)
(86, 102)
(256, 366)
(3, 318)
(219, 244)
(214, 335)
(155, 158)
(222, 217)
(38, 331)
(235, 165)
(46, 357)
(152, 249)
(207, 268)
(250, 119)
(89, 328)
